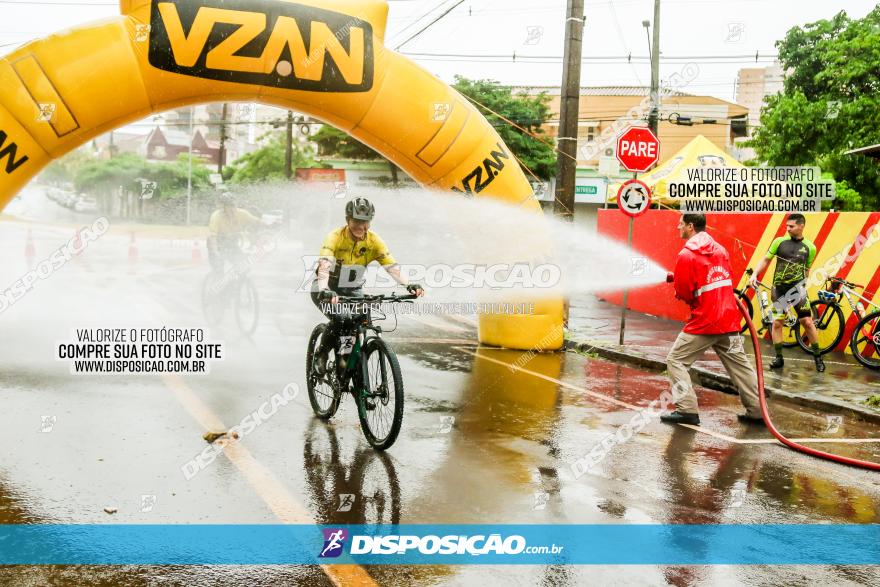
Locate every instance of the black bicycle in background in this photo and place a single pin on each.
(828, 316)
(363, 365)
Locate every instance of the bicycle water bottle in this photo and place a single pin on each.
(860, 309)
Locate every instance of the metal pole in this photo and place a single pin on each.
(569, 106)
(189, 177)
(288, 150)
(654, 116)
(629, 242)
(221, 159)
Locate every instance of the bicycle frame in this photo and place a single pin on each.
(848, 293)
(791, 315)
(366, 331)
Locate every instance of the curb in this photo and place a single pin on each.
(719, 382)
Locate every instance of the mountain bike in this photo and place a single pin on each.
(865, 339)
(363, 365)
(233, 286)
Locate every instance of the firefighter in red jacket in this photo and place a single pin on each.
(702, 279)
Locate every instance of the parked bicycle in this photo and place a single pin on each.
(363, 365)
(828, 317)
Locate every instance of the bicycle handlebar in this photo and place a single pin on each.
(845, 282)
(368, 299)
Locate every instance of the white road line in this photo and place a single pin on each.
(273, 493)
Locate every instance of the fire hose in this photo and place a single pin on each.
(765, 413)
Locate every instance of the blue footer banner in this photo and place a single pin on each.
(417, 544)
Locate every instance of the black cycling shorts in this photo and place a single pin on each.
(801, 304)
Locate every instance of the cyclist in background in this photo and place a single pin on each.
(794, 257)
(225, 230)
(343, 258)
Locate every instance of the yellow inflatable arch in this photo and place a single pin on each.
(325, 58)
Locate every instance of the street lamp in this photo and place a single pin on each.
(654, 51)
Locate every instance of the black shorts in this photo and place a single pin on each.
(801, 303)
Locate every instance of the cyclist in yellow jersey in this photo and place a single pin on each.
(225, 230)
(344, 256)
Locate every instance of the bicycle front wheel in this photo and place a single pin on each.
(865, 341)
(829, 322)
(214, 301)
(380, 401)
(247, 307)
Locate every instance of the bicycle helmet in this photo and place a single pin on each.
(360, 209)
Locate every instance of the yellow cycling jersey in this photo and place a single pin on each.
(225, 224)
(339, 246)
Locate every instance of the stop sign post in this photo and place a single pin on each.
(638, 149)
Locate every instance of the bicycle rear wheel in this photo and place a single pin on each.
(380, 399)
(790, 330)
(829, 322)
(324, 394)
(865, 341)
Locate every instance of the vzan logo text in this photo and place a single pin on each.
(476, 181)
(263, 42)
(10, 152)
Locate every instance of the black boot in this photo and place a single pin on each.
(778, 362)
(820, 364)
(677, 417)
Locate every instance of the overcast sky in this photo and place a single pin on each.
(699, 28)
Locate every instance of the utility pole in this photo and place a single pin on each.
(569, 109)
(654, 116)
(189, 175)
(288, 151)
(221, 156)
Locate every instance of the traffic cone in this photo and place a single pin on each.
(196, 252)
(30, 251)
(132, 252)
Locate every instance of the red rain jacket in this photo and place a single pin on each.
(703, 281)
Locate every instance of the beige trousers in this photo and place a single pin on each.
(729, 347)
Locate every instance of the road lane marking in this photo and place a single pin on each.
(633, 407)
(273, 493)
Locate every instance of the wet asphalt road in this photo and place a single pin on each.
(484, 439)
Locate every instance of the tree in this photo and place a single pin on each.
(528, 112)
(830, 104)
(267, 162)
(104, 177)
(335, 143)
(64, 170)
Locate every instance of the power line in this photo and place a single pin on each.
(430, 24)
